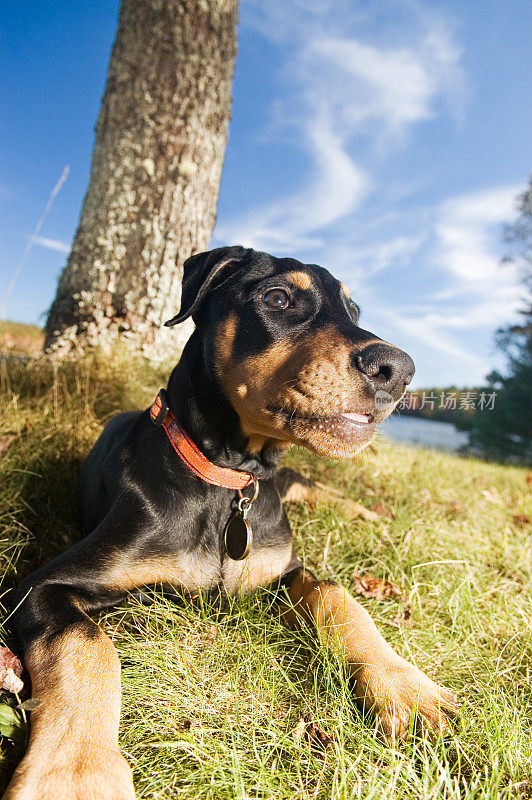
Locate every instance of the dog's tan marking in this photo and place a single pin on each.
(195, 572)
(300, 278)
(345, 289)
(191, 572)
(73, 750)
(225, 337)
(311, 376)
(256, 443)
(242, 390)
(299, 493)
(260, 568)
(383, 679)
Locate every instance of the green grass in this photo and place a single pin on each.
(211, 702)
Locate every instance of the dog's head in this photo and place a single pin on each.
(282, 338)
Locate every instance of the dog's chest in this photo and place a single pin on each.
(204, 570)
(262, 566)
(198, 560)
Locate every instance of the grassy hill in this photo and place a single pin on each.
(213, 705)
(20, 339)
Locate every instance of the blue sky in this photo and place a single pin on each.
(384, 140)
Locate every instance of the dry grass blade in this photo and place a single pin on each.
(6, 442)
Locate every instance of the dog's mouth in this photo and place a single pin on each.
(349, 426)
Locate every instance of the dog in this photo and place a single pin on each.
(184, 494)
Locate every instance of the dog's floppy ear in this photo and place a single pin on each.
(201, 273)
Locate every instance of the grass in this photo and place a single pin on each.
(212, 703)
(20, 339)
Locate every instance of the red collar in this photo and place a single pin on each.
(187, 451)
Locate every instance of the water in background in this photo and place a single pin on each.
(441, 435)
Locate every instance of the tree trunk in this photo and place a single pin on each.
(158, 154)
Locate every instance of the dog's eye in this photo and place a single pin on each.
(277, 299)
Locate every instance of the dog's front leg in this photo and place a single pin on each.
(384, 681)
(75, 675)
(73, 751)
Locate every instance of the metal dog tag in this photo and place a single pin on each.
(238, 535)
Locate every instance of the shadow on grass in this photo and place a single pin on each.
(46, 522)
(54, 411)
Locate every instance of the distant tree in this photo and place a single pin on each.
(151, 201)
(507, 430)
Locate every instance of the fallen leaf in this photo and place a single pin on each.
(377, 588)
(10, 661)
(213, 633)
(6, 442)
(405, 619)
(30, 704)
(316, 737)
(299, 730)
(12, 683)
(529, 478)
(10, 671)
(521, 519)
(382, 511)
(456, 507)
(192, 724)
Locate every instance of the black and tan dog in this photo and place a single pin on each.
(277, 357)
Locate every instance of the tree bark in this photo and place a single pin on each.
(151, 201)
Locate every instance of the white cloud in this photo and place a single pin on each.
(468, 247)
(51, 244)
(383, 255)
(479, 295)
(430, 334)
(293, 223)
(466, 228)
(343, 87)
(385, 89)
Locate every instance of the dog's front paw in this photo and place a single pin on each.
(90, 774)
(395, 690)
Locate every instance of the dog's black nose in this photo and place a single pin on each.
(385, 367)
